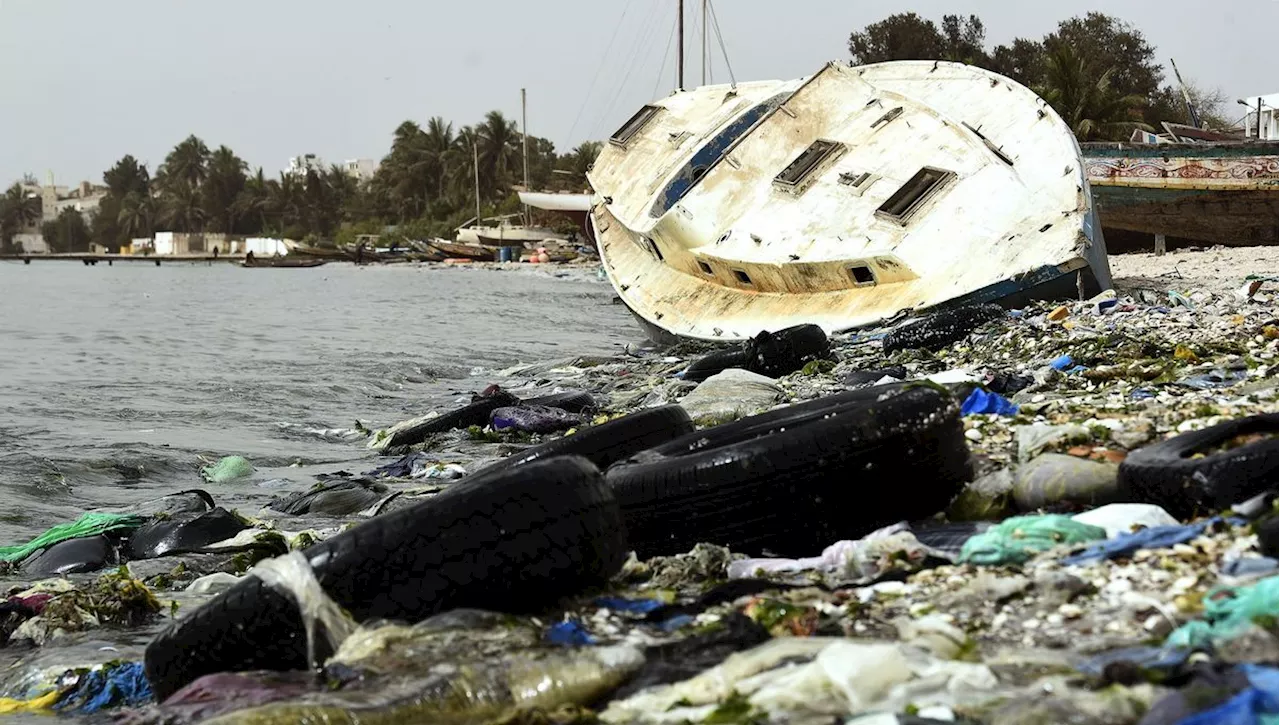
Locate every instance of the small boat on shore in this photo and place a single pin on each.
(1217, 192)
(474, 252)
(282, 262)
(842, 199)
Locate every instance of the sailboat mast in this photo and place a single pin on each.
(680, 45)
(704, 42)
(524, 135)
(475, 159)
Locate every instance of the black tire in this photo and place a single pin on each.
(845, 471)
(1164, 473)
(475, 413)
(935, 331)
(713, 363)
(783, 352)
(1268, 533)
(608, 442)
(762, 424)
(573, 402)
(514, 542)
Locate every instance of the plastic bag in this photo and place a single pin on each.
(292, 573)
(1227, 612)
(227, 469)
(1015, 540)
(89, 524)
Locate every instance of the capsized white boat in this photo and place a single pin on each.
(842, 199)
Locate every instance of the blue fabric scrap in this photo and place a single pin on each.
(633, 606)
(1257, 703)
(1155, 537)
(676, 622)
(1062, 362)
(981, 401)
(121, 685)
(568, 632)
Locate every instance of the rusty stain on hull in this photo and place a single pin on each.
(839, 199)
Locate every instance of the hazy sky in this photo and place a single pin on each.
(83, 83)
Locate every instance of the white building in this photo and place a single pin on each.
(362, 169)
(300, 165)
(1270, 116)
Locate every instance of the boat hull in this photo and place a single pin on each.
(1219, 193)
(466, 251)
(728, 248)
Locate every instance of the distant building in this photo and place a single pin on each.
(1270, 117)
(362, 169)
(300, 165)
(84, 198)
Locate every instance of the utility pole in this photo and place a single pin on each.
(680, 45)
(524, 134)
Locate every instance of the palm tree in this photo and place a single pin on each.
(188, 162)
(255, 199)
(499, 152)
(19, 209)
(224, 182)
(182, 209)
(1085, 98)
(137, 211)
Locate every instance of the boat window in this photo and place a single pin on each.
(633, 125)
(741, 276)
(913, 194)
(710, 154)
(797, 171)
(862, 275)
(706, 268)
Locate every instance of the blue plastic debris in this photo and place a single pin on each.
(568, 632)
(1062, 362)
(633, 606)
(122, 685)
(1156, 537)
(1257, 703)
(981, 401)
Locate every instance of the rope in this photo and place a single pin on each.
(608, 46)
(715, 22)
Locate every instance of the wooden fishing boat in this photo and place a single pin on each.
(467, 251)
(283, 262)
(842, 199)
(1218, 192)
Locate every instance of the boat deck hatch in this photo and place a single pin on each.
(634, 124)
(862, 275)
(912, 195)
(808, 160)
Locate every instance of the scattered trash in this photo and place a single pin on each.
(122, 685)
(1155, 537)
(983, 402)
(730, 395)
(227, 469)
(532, 419)
(1015, 540)
(1228, 611)
(569, 633)
(89, 524)
(1055, 478)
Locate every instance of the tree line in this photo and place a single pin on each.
(1098, 72)
(425, 186)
